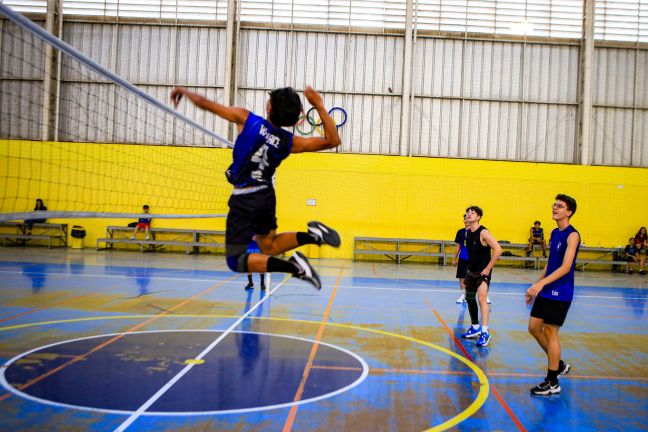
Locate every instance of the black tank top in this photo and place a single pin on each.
(479, 255)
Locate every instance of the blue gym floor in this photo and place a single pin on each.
(108, 341)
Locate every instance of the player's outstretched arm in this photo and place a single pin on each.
(233, 114)
(331, 139)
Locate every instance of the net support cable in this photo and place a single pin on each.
(56, 42)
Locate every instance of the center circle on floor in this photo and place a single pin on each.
(246, 371)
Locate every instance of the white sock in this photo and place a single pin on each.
(475, 326)
(485, 329)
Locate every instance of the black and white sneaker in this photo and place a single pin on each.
(306, 271)
(546, 388)
(324, 234)
(563, 368)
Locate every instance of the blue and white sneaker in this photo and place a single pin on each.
(472, 332)
(484, 339)
(324, 234)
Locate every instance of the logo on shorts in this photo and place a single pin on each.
(555, 293)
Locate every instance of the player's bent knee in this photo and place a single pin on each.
(238, 263)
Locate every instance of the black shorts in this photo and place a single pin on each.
(249, 214)
(550, 311)
(472, 281)
(462, 268)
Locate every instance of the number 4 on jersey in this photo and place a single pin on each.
(260, 157)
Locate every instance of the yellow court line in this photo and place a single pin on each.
(468, 412)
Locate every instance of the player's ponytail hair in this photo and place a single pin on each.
(285, 107)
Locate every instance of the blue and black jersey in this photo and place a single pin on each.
(258, 151)
(460, 239)
(563, 288)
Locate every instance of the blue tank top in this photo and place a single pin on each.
(563, 288)
(538, 232)
(258, 151)
(460, 239)
(253, 247)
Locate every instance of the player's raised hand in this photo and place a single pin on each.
(313, 97)
(176, 95)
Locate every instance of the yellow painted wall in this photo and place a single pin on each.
(360, 195)
(392, 196)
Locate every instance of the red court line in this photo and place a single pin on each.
(495, 393)
(69, 299)
(51, 372)
(309, 364)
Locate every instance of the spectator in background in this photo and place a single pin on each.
(143, 223)
(630, 254)
(537, 237)
(29, 223)
(641, 242)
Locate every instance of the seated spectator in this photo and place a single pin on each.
(29, 223)
(641, 242)
(630, 254)
(143, 223)
(537, 237)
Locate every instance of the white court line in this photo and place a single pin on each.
(498, 293)
(359, 287)
(109, 276)
(187, 368)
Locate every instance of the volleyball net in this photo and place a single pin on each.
(78, 136)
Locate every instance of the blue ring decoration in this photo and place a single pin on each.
(331, 111)
(344, 115)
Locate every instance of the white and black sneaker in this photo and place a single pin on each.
(306, 271)
(546, 388)
(563, 368)
(324, 234)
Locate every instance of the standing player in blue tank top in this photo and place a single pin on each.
(260, 148)
(460, 258)
(552, 294)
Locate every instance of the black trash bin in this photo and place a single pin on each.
(78, 233)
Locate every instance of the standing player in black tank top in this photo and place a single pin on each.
(480, 265)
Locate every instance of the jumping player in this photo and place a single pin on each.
(480, 266)
(260, 148)
(552, 294)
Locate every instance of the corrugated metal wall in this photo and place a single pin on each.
(472, 98)
(494, 100)
(620, 129)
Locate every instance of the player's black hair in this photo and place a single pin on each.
(285, 107)
(476, 209)
(571, 202)
(145, 206)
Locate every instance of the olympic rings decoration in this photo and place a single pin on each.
(307, 123)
